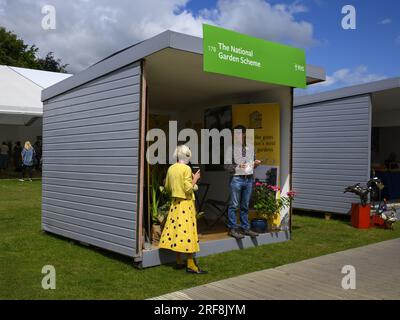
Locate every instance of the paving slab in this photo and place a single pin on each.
(377, 277)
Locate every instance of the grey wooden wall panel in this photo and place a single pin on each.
(331, 146)
(95, 97)
(98, 185)
(103, 177)
(105, 144)
(122, 73)
(85, 191)
(106, 219)
(128, 152)
(82, 207)
(118, 109)
(101, 136)
(93, 120)
(97, 105)
(90, 162)
(102, 88)
(92, 224)
(109, 128)
(88, 239)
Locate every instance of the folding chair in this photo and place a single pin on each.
(200, 200)
(221, 207)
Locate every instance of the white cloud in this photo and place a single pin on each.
(386, 21)
(343, 78)
(263, 20)
(88, 30)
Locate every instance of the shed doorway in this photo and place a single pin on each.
(385, 145)
(178, 90)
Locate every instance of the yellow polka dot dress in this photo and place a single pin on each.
(180, 230)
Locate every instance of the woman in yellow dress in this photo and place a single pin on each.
(180, 230)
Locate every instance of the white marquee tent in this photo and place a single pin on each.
(21, 108)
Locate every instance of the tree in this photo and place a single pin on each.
(50, 63)
(14, 52)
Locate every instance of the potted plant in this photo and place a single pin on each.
(159, 211)
(159, 205)
(268, 205)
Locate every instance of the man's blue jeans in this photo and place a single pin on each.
(240, 194)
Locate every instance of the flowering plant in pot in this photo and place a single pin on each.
(268, 205)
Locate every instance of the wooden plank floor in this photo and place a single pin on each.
(377, 277)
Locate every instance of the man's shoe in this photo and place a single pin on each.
(250, 233)
(233, 233)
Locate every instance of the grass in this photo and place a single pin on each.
(87, 273)
(12, 174)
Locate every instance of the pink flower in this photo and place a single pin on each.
(259, 184)
(292, 194)
(274, 188)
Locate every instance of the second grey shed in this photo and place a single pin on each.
(338, 138)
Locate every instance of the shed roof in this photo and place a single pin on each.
(367, 88)
(167, 39)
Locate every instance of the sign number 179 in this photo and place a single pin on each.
(212, 48)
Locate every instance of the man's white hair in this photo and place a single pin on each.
(183, 153)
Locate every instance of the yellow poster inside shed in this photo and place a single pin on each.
(264, 118)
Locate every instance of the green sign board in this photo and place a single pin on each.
(234, 54)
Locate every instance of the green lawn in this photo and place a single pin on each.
(86, 273)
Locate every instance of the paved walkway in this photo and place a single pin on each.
(377, 277)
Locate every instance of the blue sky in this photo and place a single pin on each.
(89, 30)
(370, 52)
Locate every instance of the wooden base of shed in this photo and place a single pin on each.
(155, 257)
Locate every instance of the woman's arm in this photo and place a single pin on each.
(190, 180)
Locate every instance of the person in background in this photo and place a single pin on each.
(28, 154)
(180, 230)
(9, 153)
(38, 151)
(241, 185)
(17, 156)
(4, 150)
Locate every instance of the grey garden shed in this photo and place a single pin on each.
(343, 137)
(94, 129)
